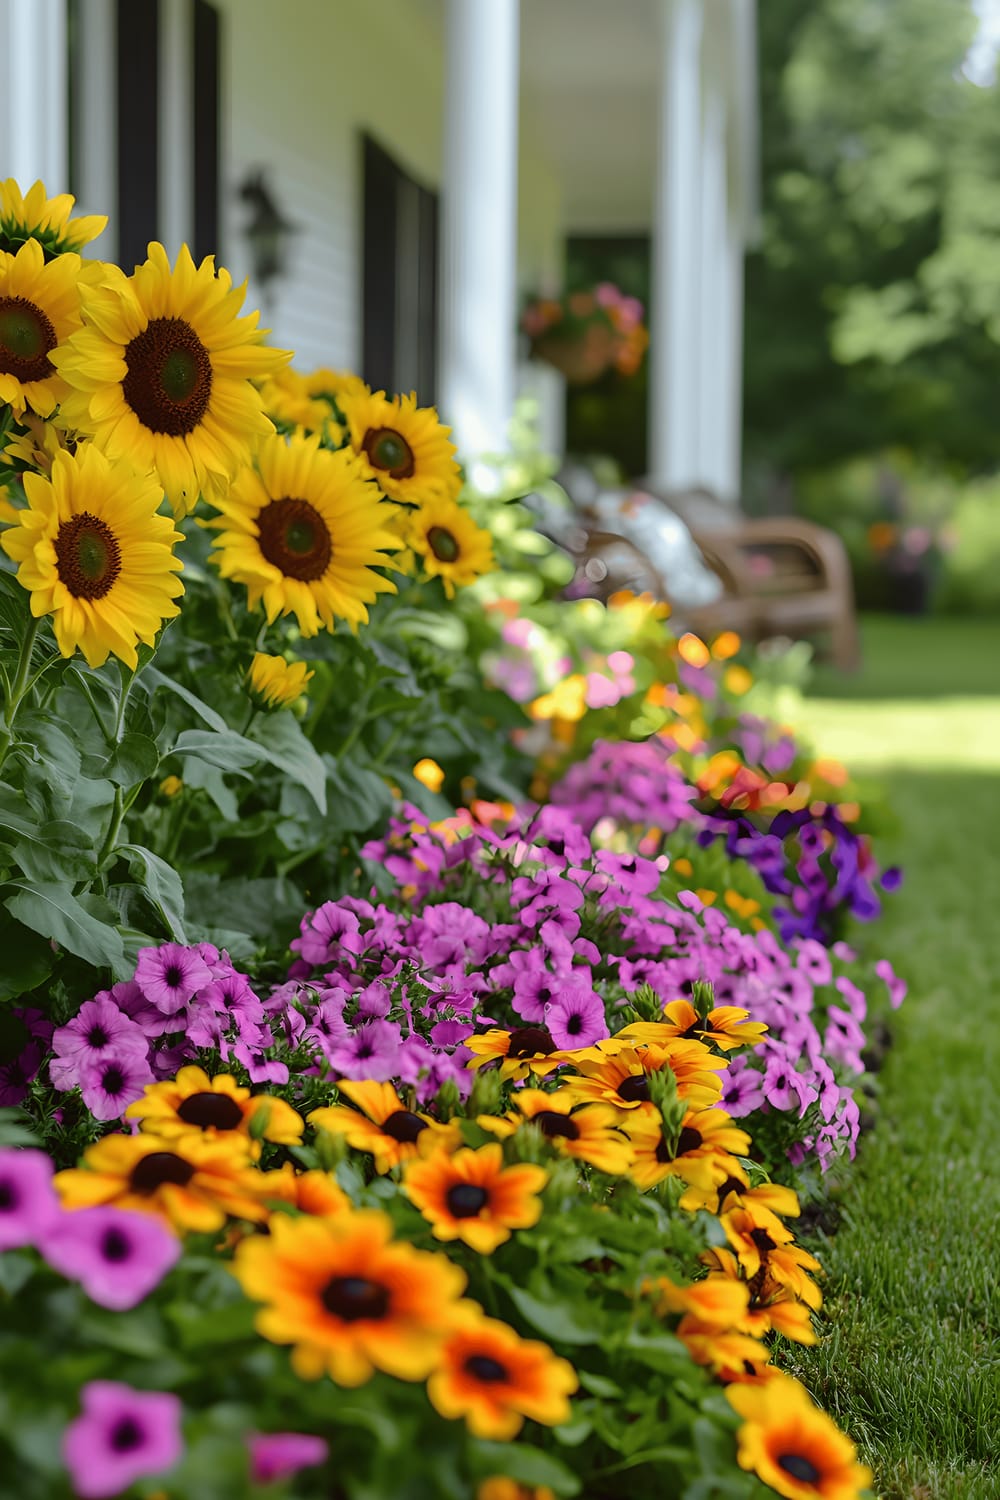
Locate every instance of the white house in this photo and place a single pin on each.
(429, 158)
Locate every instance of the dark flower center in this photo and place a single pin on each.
(688, 1140)
(802, 1469)
(115, 1246)
(389, 451)
(634, 1089)
(158, 1168)
(483, 1367)
(211, 1111)
(9, 1198)
(97, 1037)
(402, 1125)
(26, 339)
(88, 556)
(443, 544)
(173, 977)
(351, 1298)
(557, 846)
(574, 1023)
(762, 1239)
(295, 539)
(113, 1080)
(465, 1200)
(126, 1435)
(530, 1041)
(731, 1185)
(169, 377)
(552, 1124)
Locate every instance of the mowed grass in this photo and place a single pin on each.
(910, 1364)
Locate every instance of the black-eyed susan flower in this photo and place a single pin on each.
(39, 311)
(472, 1196)
(761, 1242)
(618, 1074)
(526, 1049)
(497, 1487)
(96, 555)
(755, 1307)
(161, 373)
(702, 1153)
(305, 531)
(215, 1106)
(495, 1379)
(403, 446)
(449, 544)
(349, 1298)
(383, 1125)
(316, 1193)
(793, 1446)
(588, 1133)
(728, 1353)
(193, 1182)
(276, 683)
(717, 1302)
(726, 1026)
(735, 1190)
(35, 216)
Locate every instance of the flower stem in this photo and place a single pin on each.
(18, 688)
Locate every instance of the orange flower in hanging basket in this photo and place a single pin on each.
(581, 357)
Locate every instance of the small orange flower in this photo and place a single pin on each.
(193, 1101)
(617, 1073)
(471, 1196)
(495, 1379)
(707, 1142)
(725, 1025)
(315, 1193)
(499, 1488)
(761, 1240)
(589, 1134)
(526, 1049)
(793, 1446)
(386, 1128)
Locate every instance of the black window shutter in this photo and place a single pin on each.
(207, 88)
(138, 128)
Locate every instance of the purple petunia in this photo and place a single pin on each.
(28, 1200)
(120, 1436)
(117, 1256)
(575, 1018)
(170, 976)
(111, 1083)
(277, 1455)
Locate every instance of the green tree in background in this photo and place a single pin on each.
(873, 302)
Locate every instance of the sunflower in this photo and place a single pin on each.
(401, 445)
(162, 371)
(191, 1181)
(471, 1196)
(616, 1073)
(291, 405)
(793, 1446)
(494, 1379)
(95, 555)
(386, 1128)
(450, 544)
(305, 531)
(276, 683)
(588, 1134)
(526, 1049)
(708, 1139)
(349, 1298)
(726, 1025)
(194, 1102)
(34, 216)
(39, 311)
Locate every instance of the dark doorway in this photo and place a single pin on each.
(400, 228)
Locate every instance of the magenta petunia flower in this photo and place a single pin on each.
(575, 1018)
(118, 1257)
(120, 1436)
(16, 1075)
(276, 1455)
(895, 985)
(109, 1084)
(28, 1201)
(372, 1051)
(170, 976)
(97, 1030)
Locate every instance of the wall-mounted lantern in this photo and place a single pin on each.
(268, 232)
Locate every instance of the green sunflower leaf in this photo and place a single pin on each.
(50, 908)
(162, 885)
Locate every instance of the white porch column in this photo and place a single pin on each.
(33, 92)
(479, 224)
(176, 138)
(97, 120)
(720, 342)
(675, 313)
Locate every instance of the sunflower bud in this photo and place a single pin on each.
(275, 683)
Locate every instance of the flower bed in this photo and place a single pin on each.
(354, 1142)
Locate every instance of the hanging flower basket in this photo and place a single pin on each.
(585, 334)
(581, 357)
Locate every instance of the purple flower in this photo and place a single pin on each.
(170, 976)
(27, 1198)
(891, 879)
(576, 1017)
(741, 1089)
(895, 985)
(16, 1075)
(276, 1455)
(262, 1069)
(783, 1086)
(111, 1083)
(118, 1257)
(121, 1435)
(328, 933)
(99, 1030)
(372, 1051)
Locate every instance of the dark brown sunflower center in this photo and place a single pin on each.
(465, 1200)
(126, 1435)
(295, 538)
(483, 1367)
(634, 1089)
(762, 1240)
(731, 1185)
(168, 378)
(88, 556)
(689, 1140)
(530, 1041)
(351, 1298)
(443, 544)
(211, 1111)
(26, 340)
(158, 1168)
(115, 1247)
(389, 451)
(404, 1126)
(802, 1469)
(552, 1124)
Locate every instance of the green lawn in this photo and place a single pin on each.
(910, 1364)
